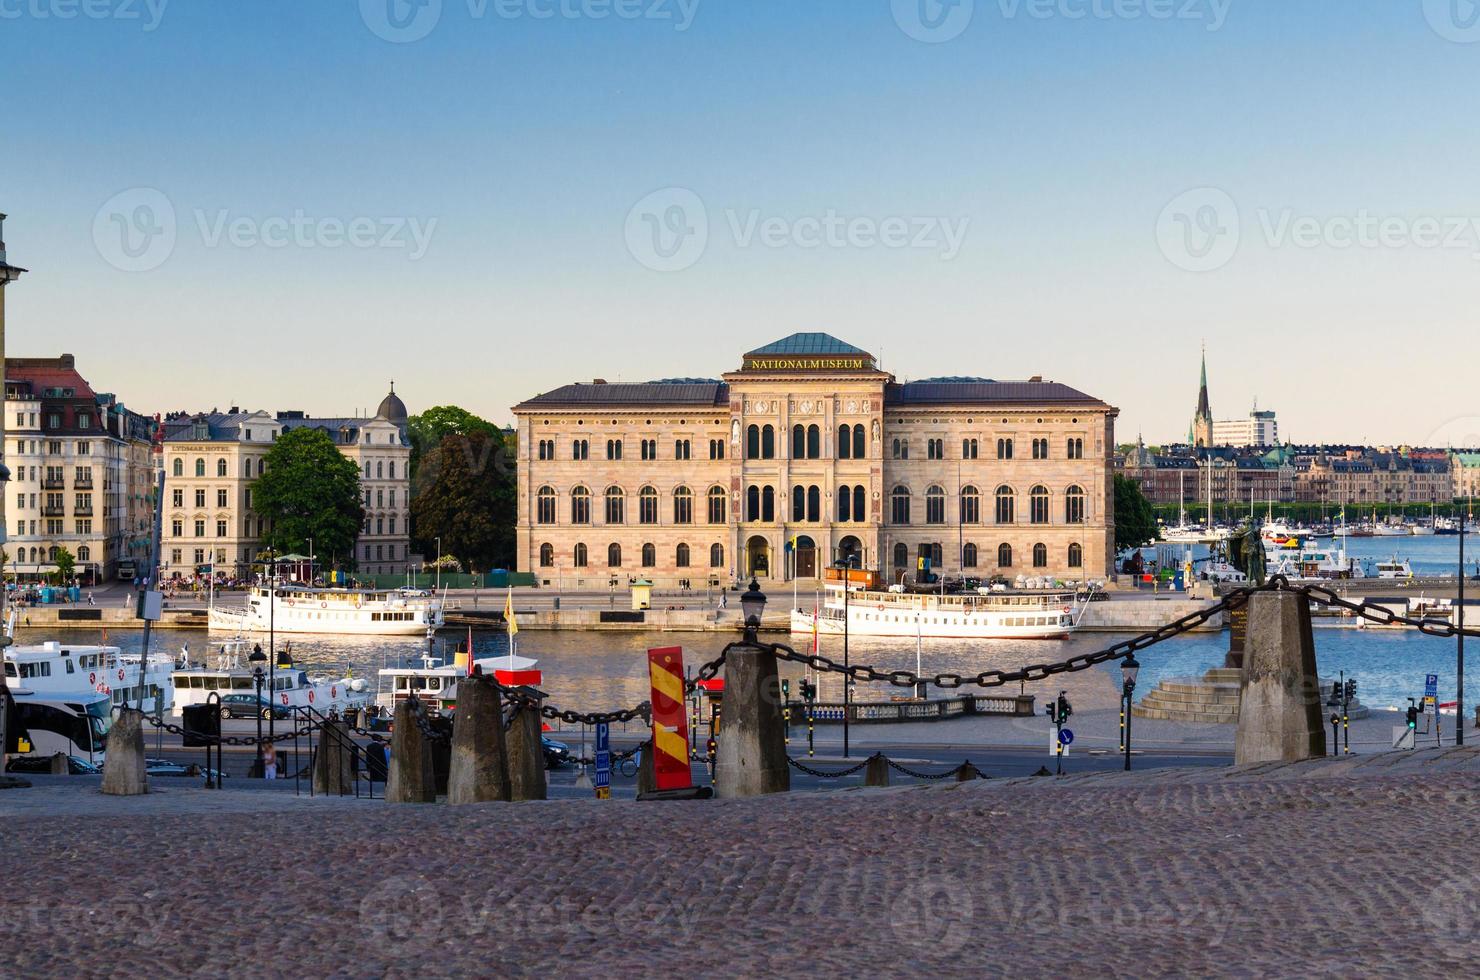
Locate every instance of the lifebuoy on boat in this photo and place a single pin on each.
(334, 692)
(92, 678)
(285, 699)
(310, 697)
(323, 605)
(120, 673)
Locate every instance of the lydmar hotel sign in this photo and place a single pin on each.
(808, 364)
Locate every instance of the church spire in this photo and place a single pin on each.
(1202, 421)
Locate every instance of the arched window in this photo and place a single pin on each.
(752, 503)
(580, 506)
(390, 469)
(261, 465)
(896, 449)
(649, 556)
(178, 468)
(860, 505)
(1040, 556)
(544, 505)
(1006, 505)
(845, 442)
(768, 442)
(84, 553)
(683, 506)
(935, 505)
(971, 505)
(613, 556)
(968, 556)
(221, 466)
(1004, 449)
(899, 510)
(768, 504)
(799, 442)
(647, 505)
(681, 556)
(1004, 556)
(616, 506)
(716, 556)
(200, 467)
(814, 504)
(814, 442)
(1076, 556)
(1074, 505)
(845, 505)
(798, 503)
(901, 555)
(1038, 505)
(379, 469)
(717, 506)
(580, 556)
(753, 442)
(860, 442)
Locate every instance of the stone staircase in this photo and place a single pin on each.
(1212, 699)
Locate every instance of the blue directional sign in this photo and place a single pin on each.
(603, 756)
(1431, 685)
(1066, 737)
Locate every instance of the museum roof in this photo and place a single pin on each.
(948, 391)
(808, 343)
(706, 394)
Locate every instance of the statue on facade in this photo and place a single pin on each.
(1246, 551)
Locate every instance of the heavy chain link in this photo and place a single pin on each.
(303, 732)
(826, 775)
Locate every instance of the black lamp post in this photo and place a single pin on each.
(256, 660)
(752, 605)
(844, 565)
(1129, 668)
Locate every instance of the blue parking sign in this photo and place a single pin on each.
(603, 756)
(1431, 686)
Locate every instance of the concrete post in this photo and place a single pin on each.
(876, 771)
(647, 771)
(526, 757)
(411, 779)
(123, 767)
(333, 763)
(479, 769)
(752, 744)
(59, 766)
(968, 772)
(1279, 716)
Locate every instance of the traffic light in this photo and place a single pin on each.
(1064, 709)
(1351, 690)
(785, 690)
(1412, 715)
(1335, 693)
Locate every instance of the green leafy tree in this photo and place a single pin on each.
(1135, 519)
(66, 564)
(463, 493)
(310, 490)
(427, 430)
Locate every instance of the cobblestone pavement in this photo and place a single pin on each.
(1364, 866)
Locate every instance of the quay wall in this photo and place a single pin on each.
(102, 617)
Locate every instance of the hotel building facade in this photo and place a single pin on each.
(809, 455)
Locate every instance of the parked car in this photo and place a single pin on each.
(166, 768)
(557, 754)
(250, 706)
(41, 765)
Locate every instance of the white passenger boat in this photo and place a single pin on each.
(58, 670)
(301, 609)
(1007, 615)
(229, 671)
(1395, 568)
(434, 681)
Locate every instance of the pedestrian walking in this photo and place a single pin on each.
(90, 600)
(269, 761)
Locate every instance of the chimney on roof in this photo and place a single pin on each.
(67, 360)
(598, 381)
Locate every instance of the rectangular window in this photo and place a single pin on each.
(84, 448)
(177, 497)
(200, 498)
(84, 527)
(177, 529)
(200, 528)
(220, 498)
(220, 529)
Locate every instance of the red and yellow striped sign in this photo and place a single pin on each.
(670, 727)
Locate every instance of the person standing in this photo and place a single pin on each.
(269, 761)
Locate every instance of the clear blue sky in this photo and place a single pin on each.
(1051, 144)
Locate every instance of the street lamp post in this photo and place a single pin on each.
(1459, 706)
(1129, 668)
(439, 565)
(847, 562)
(256, 659)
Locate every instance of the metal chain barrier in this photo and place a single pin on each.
(641, 710)
(159, 722)
(826, 775)
(419, 715)
(925, 775)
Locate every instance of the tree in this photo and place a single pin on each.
(66, 565)
(428, 429)
(1135, 520)
(464, 494)
(310, 490)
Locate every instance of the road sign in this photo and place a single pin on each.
(1056, 745)
(1066, 736)
(1402, 737)
(1431, 686)
(603, 761)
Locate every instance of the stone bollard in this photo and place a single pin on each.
(647, 771)
(59, 766)
(123, 768)
(333, 763)
(968, 772)
(876, 770)
(1279, 717)
(526, 756)
(411, 779)
(479, 769)
(751, 759)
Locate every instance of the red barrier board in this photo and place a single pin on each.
(670, 727)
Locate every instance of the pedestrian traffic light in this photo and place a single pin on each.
(1412, 715)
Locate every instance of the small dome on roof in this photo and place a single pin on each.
(392, 409)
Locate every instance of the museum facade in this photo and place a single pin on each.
(806, 456)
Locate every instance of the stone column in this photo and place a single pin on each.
(752, 742)
(1280, 700)
(411, 779)
(333, 763)
(479, 770)
(526, 757)
(876, 770)
(123, 768)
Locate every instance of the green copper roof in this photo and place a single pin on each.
(807, 343)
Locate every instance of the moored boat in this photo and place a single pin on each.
(285, 687)
(54, 670)
(1006, 614)
(303, 609)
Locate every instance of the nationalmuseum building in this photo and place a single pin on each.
(810, 455)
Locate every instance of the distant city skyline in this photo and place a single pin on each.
(285, 206)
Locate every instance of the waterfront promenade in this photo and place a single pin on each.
(1354, 867)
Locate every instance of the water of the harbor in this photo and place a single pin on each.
(603, 671)
(1429, 555)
